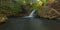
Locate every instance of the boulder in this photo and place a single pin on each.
(50, 11)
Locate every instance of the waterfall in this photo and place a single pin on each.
(30, 15)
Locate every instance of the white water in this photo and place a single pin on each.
(31, 14)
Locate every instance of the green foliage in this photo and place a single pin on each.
(36, 5)
(44, 1)
(14, 7)
(9, 7)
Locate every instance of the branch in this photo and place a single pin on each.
(55, 11)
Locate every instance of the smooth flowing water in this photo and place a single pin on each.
(30, 15)
(19, 23)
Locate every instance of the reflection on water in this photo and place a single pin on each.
(30, 24)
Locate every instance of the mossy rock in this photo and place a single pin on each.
(3, 18)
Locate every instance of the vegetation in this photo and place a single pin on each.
(50, 10)
(10, 7)
(18, 7)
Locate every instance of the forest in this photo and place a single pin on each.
(44, 8)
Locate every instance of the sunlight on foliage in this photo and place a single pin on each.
(15, 5)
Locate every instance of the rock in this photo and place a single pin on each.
(45, 12)
(50, 11)
(3, 18)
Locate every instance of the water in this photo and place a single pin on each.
(30, 15)
(35, 24)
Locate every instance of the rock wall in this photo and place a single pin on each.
(50, 11)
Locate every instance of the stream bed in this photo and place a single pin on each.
(18, 23)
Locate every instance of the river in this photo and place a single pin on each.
(18, 23)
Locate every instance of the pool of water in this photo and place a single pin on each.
(18, 23)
